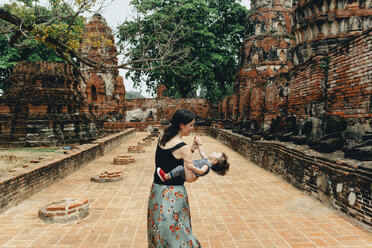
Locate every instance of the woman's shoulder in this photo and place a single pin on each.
(179, 146)
(174, 143)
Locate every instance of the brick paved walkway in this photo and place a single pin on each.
(249, 207)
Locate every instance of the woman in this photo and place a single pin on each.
(168, 214)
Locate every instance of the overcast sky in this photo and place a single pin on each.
(116, 13)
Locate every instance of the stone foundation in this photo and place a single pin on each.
(136, 149)
(344, 184)
(123, 159)
(63, 211)
(108, 177)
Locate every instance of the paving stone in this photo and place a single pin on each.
(249, 207)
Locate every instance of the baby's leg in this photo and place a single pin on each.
(175, 172)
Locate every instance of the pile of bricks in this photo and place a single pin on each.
(146, 142)
(63, 211)
(141, 144)
(125, 159)
(108, 176)
(136, 149)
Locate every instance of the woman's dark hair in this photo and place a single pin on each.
(181, 116)
(222, 166)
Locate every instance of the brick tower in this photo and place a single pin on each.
(265, 54)
(104, 89)
(318, 26)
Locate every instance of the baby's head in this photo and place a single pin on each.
(219, 164)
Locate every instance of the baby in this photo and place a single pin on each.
(216, 161)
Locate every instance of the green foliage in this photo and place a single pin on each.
(212, 31)
(33, 46)
(133, 95)
(10, 56)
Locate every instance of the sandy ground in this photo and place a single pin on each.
(14, 159)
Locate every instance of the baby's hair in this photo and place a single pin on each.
(222, 166)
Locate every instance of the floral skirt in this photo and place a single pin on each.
(168, 218)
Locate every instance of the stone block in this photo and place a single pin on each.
(60, 211)
(125, 159)
(108, 176)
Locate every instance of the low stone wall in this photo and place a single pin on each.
(344, 184)
(143, 126)
(36, 177)
(140, 126)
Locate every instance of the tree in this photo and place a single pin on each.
(212, 31)
(57, 26)
(188, 45)
(23, 43)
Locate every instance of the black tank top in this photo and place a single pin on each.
(166, 161)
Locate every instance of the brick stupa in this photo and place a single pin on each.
(44, 106)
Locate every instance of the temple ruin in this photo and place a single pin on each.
(104, 90)
(302, 101)
(44, 107)
(305, 76)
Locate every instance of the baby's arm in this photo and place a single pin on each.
(201, 151)
(199, 171)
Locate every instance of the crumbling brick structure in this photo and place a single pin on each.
(293, 64)
(265, 53)
(145, 114)
(104, 89)
(162, 107)
(309, 60)
(44, 106)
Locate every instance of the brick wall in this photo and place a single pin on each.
(38, 176)
(338, 81)
(343, 184)
(140, 126)
(306, 86)
(276, 97)
(166, 106)
(350, 78)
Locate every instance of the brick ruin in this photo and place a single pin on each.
(44, 107)
(103, 90)
(49, 105)
(162, 107)
(147, 114)
(305, 76)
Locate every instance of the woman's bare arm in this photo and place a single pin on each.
(187, 163)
